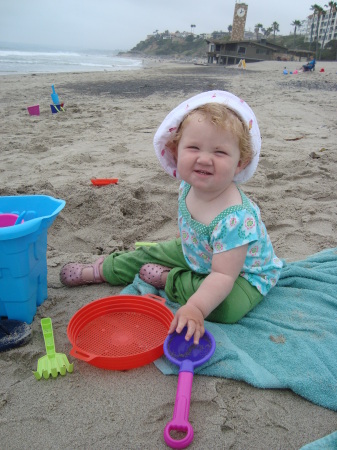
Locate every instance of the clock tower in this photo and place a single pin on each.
(239, 22)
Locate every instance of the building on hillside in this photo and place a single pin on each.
(247, 45)
(231, 52)
(250, 35)
(324, 26)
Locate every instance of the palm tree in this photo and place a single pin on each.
(267, 31)
(300, 26)
(321, 12)
(318, 10)
(295, 24)
(275, 27)
(192, 26)
(333, 8)
(312, 25)
(257, 29)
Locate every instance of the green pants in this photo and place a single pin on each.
(120, 268)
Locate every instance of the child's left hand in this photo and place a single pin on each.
(190, 316)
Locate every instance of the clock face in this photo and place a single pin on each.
(241, 12)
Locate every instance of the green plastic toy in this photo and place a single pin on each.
(52, 363)
(145, 244)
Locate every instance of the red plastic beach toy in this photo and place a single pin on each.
(104, 181)
(120, 332)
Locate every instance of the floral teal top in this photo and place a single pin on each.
(233, 227)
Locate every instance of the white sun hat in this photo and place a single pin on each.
(175, 117)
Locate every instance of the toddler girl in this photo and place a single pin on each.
(223, 264)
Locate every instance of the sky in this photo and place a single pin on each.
(122, 24)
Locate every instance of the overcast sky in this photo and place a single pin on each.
(121, 24)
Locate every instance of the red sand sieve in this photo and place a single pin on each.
(120, 332)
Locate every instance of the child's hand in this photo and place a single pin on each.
(192, 317)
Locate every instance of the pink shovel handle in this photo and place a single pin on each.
(181, 411)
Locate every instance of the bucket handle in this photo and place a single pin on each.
(79, 354)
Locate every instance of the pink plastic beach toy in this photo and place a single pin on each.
(187, 356)
(7, 220)
(34, 110)
(180, 421)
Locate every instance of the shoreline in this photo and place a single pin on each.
(106, 131)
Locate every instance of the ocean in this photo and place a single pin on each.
(16, 59)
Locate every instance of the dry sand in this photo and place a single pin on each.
(107, 131)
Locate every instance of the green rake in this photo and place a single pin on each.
(52, 363)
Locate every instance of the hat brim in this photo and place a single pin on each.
(175, 117)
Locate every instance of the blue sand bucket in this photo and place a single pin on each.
(23, 254)
(57, 108)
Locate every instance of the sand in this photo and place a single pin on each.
(107, 131)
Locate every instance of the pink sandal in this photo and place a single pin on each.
(71, 273)
(152, 273)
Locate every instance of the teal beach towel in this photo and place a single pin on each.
(288, 341)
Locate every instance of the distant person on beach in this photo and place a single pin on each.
(310, 65)
(223, 263)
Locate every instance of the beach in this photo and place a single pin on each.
(106, 131)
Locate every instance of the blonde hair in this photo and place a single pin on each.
(224, 118)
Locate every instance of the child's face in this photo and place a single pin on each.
(208, 156)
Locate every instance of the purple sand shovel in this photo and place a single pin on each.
(187, 356)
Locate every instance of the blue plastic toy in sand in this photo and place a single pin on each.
(54, 96)
(57, 108)
(23, 254)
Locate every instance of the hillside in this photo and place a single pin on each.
(188, 45)
(166, 45)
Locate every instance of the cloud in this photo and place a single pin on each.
(111, 24)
